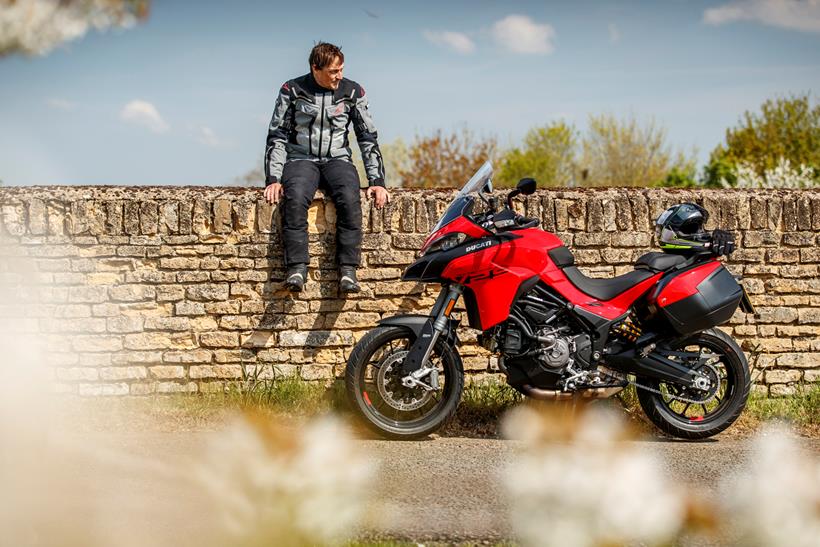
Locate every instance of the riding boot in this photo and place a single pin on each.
(347, 279)
(296, 276)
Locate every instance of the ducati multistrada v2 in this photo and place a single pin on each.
(557, 333)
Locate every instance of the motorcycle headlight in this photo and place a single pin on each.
(447, 242)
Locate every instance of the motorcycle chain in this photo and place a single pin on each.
(659, 392)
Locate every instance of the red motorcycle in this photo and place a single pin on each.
(557, 333)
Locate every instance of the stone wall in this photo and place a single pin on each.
(176, 289)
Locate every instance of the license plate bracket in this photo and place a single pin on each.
(746, 303)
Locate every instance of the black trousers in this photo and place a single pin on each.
(300, 179)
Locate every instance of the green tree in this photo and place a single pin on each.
(547, 155)
(786, 128)
(717, 171)
(627, 153)
(679, 177)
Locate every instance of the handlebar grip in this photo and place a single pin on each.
(525, 222)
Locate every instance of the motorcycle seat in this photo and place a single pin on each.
(601, 289)
(605, 289)
(658, 262)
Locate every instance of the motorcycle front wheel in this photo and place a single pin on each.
(701, 415)
(374, 389)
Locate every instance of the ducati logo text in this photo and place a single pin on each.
(477, 246)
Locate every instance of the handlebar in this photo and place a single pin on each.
(493, 223)
(524, 222)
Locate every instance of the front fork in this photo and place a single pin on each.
(437, 324)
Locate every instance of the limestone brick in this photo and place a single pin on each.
(174, 387)
(215, 371)
(219, 339)
(314, 338)
(124, 324)
(779, 376)
(123, 373)
(136, 357)
(78, 374)
(168, 323)
(192, 356)
(799, 360)
(103, 389)
(208, 292)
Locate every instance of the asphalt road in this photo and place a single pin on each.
(439, 489)
(449, 488)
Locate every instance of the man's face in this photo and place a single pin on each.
(330, 76)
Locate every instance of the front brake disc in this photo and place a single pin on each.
(391, 390)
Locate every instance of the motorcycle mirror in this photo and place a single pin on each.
(526, 186)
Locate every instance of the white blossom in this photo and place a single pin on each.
(273, 485)
(35, 27)
(580, 484)
(777, 503)
(783, 175)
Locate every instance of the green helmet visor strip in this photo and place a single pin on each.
(669, 239)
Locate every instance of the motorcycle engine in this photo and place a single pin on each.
(555, 352)
(542, 363)
(539, 343)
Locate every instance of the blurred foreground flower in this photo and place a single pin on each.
(577, 483)
(273, 485)
(35, 27)
(778, 502)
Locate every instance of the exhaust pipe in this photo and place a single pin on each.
(556, 395)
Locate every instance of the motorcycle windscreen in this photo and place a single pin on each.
(464, 198)
(701, 298)
(458, 207)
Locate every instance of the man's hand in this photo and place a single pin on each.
(273, 192)
(380, 194)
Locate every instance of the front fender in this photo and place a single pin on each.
(416, 322)
(412, 321)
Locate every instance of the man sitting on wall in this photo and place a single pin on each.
(308, 147)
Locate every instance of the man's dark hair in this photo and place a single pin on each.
(323, 54)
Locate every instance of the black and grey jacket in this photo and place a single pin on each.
(311, 122)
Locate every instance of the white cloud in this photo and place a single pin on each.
(61, 104)
(614, 33)
(801, 15)
(456, 41)
(520, 34)
(145, 114)
(207, 137)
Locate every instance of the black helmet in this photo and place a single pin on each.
(681, 227)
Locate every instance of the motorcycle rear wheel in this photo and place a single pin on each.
(701, 420)
(376, 359)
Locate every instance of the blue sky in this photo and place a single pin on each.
(201, 77)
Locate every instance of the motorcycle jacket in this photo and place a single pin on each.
(311, 123)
